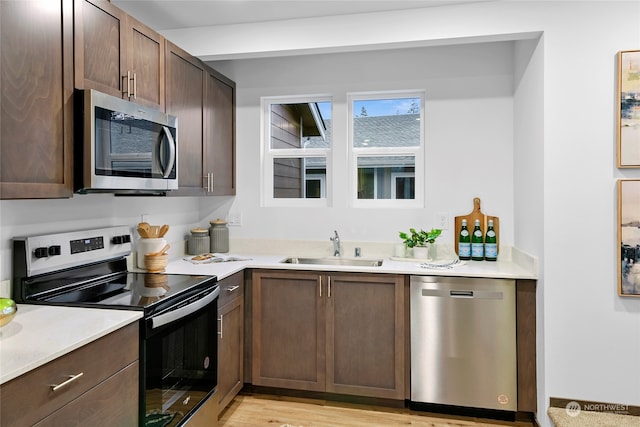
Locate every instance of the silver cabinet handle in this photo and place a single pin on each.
(320, 285)
(220, 319)
(71, 379)
(232, 288)
(135, 87)
(209, 185)
(328, 286)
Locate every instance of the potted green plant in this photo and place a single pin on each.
(420, 241)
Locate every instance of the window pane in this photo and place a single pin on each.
(299, 177)
(302, 125)
(392, 122)
(387, 177)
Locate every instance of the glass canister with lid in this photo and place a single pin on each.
(219, 236)
(198, 242)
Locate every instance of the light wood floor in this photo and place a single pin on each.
(276, 411)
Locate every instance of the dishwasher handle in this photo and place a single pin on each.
(462, 293)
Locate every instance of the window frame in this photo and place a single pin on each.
(356, 152)
(269, 154)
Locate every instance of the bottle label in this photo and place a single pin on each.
(464, 233)
(477, 233)
(464, 250)
(477, 250)
(491, 233)
(490, 250)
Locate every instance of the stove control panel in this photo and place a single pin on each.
(51, 252)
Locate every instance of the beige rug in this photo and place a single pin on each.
(561, 418)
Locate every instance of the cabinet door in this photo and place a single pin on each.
(117, 54)
(184, 99)
(365, 335)
(99, 38)
(145, 64)
(219, 142)
(36, 119)
(230, 351)
(288, 318)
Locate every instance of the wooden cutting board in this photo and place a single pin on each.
(471, 218)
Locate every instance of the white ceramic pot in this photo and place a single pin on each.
(421, 252)
(147, 246)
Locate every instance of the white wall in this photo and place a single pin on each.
(564, 159)
(469, 136)
(28, 217)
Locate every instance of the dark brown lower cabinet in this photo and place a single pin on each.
(230, 339)
(103, 391)
(331, 332)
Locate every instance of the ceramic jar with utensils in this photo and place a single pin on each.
(147, 246)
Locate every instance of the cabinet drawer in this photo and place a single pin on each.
(30, 397)
(113, 402)
(231, 287)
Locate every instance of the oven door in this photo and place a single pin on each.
(179, 352)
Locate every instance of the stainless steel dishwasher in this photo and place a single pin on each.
(463, 343)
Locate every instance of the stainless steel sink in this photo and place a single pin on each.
(363, 262)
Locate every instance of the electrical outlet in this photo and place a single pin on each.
(235, 219)
(442, 220)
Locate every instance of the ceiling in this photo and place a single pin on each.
(176, 14)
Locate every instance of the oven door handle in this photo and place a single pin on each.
(181, 312)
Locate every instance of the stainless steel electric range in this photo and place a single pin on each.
(178, 340)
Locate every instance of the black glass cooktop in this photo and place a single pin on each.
(129, 290)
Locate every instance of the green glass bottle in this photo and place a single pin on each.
(464, 242)
(490, 243)
(477, 244)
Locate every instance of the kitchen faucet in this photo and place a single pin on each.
(336, 243)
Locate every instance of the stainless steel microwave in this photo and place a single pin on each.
(122, 147)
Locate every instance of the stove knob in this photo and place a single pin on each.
(54, 250)
(41, 252)
(119, 240)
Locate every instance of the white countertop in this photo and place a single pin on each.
(39, 334)
(500, 269)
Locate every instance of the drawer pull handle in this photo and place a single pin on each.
(232, 288)
(70, 380)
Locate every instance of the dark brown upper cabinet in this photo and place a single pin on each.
(204, 102)
(117, 54)
(36, 119)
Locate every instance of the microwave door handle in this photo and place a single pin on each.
(181, 312)
(172, 152)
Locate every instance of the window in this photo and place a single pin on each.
(387, 149)
(296, 146)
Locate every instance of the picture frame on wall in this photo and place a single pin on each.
(629, 237)
(628, 109)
